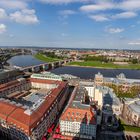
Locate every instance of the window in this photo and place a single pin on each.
(135, 116)
(77, 113)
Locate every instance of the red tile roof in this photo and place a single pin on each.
(44, 81)
(5, 110)
(16, 115)
(79, 115)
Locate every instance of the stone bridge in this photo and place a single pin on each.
(46, 66)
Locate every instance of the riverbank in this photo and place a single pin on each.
(44, 58)
(100, 65)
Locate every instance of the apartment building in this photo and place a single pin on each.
(94, 93)
(131, 111)
(20, 85)
(9, 75)
(79, 120)
(28, 115)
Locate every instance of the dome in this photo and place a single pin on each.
(121, 76)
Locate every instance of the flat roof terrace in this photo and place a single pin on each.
(30, 99)
(35, 98)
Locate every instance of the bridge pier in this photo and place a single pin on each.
(52, 65)
(60, 63)
(36, 68)
(44, 67)
(65, 61)
(33, 70)
(57, 64)
(49, 66)
(29, 70)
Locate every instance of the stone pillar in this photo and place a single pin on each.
(53, 65)
(65, 61)
(33, 70)
(44, 67)
(60, 64)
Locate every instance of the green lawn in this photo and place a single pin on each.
(124, 127)
(44, 58)
(99, 64)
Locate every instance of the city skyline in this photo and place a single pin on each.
(70, 23)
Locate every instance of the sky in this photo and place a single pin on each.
(107, 24)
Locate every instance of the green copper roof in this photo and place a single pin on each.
(47, 75)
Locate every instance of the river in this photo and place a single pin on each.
(24, 61)
(82, 72)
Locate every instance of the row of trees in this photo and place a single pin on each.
(106, 59)
(130, 93)
(96, 58)
(134, 61)
(52, 55)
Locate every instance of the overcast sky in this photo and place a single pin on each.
(70, 23)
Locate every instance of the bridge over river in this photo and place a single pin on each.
(46, 66)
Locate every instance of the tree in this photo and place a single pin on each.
(134, 61)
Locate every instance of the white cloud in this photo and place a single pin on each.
(3, 14)
(55, 2)
(2, 28)
(13, 4)
(114, 30)
(129, 5)
(127, 14)
(25, 16)
(129, 9)
(105, 17)
(67, 12)
(99, 18)
(134, 43)
(101, 6)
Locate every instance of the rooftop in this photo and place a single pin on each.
(86, 83)
(47, 75)
(27, 111)
(81, 91)
(4, 74)
(79, 109)
(135, 107)
(79, 105)
(79, 115)
(98, 75)
(109, 97)
(133, 104)
(120, 79)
